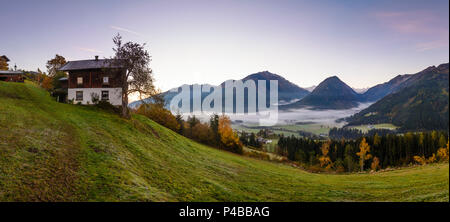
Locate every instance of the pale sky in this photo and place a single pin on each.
(362, 42)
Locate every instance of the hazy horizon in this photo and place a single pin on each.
(364, 43)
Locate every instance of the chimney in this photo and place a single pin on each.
(96, 58)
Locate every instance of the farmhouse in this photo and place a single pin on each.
(11, 76)
(91, 80)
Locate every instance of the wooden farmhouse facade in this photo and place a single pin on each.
(11, 76)
(97, 79)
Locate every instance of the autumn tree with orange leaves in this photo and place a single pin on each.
(363, 153)
(47, 83)
(228, 138)
(325, 160)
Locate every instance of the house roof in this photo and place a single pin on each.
(5, 58)
(88, 64)
(10, 72)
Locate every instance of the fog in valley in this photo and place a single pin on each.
(290, 117)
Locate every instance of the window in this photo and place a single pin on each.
(105, 95)
(80, 80)
(106, 80)
(79, 96)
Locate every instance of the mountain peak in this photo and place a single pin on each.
(333, 79)
(264, 75)
(331, 93)
(334, 82)
(287, 91)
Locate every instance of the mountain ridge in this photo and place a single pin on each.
(287, 91)
(331, 93)
(421, 103)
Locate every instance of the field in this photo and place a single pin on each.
(366, 128)
(289, 130)
(59, 152)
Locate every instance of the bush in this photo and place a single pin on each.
(160, 115)
(105, 105)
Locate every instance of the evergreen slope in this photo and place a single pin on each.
(421, 104)
(59, 152)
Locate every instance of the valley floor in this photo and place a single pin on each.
(59, 152)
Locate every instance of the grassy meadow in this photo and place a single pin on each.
(51, 151)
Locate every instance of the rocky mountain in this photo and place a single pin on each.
(332, 93)
(381, 90)
(288, 92)
(421, 103)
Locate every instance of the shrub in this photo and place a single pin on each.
(105, 105)
(443, 153)
(160, 115)
(420, 159)
(202, 133)
(95, 98)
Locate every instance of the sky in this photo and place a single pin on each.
(364, 43)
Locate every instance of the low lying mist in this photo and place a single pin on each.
(291, 117)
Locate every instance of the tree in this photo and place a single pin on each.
(325, 160)
(3, 64)
(191, 122)
(375, 164)
(442, 141)
(53, 65)
(376, 140)
(214, 124)
(202, 133)
(158, 99)
(363, 153)
(180, 121)
(47, 83)
(55, 79)
(349, 161)
(228, 138)
(138, 78)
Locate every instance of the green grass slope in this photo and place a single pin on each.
(59, 152)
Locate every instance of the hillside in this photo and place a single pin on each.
(331, 93)
(59, 152)
(422, 103)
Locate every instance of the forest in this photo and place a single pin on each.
(368, 152)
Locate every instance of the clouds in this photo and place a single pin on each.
(420, 24)
(125, 30)
(89, 50)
